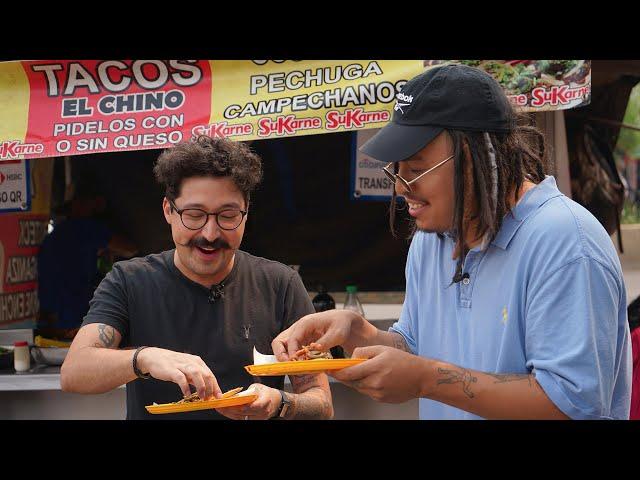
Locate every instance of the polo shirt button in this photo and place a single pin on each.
(466, 281)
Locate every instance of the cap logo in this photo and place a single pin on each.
(404, 98)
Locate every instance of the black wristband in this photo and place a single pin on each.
(134, 362)
(285, 404)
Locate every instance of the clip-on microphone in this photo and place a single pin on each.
(216, 292)
(460, 276)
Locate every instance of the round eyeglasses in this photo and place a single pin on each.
(407, 183)
(195, 218)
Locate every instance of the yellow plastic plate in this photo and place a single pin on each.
(302, 367)
(229, 399)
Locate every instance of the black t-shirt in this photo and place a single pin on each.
(150, 302)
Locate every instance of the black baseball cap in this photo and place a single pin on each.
(451, 96)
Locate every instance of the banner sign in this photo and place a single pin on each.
(368, 181)
(537, 85)
(72, 107)
(77, 107)
(68, 107)
(21, 234)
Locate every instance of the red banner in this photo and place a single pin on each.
(90, 106)
(21, 235)
(19, 268)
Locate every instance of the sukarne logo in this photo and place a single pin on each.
(13, 149)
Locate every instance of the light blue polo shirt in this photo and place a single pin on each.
(546, 296)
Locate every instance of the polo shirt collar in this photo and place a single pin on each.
(529, 203)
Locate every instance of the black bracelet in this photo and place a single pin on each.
(284, 402)
(136, 370)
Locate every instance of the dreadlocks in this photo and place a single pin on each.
(490, 169)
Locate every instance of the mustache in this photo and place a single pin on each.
(411, 199)
(204, 243)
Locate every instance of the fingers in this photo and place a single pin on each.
(211, 385)
(367, 377)
(357, 378)
(236, 412)
(350, 374)
(335, 329)
(357, 372)
(179, 378)
(293, 345)
(195, 378)
(279, 346)
(242, 410)
(211, 382)
(212, 389)
(330, 339)
(316, 346)
(368, 352)
(328, 329)
(202, 378)
(217, 391)
(184, 370)
(301, 332)
(257, 410)
(297, 341)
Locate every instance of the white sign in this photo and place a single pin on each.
(368, 181)
(14, 186)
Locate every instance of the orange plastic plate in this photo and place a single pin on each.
(302, 367)
(229, 399)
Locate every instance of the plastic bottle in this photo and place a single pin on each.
(323, 301)
(21, 358)
(352, 302)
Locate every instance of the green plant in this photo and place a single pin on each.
(629, 140)
(630, 212)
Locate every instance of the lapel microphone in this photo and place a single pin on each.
(460, 276)
(216, 292)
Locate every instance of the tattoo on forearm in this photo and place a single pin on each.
(312, 405)
(510, 377)
(454, 376)
(301, 383)
(107, 336)
(400, 343)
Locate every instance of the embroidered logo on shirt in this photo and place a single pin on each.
(247, 330)
(504, 315)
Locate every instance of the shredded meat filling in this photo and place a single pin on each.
(194, 397)
(307, 353)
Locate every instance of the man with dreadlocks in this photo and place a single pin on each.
(515, 304)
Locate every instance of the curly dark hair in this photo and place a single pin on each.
(208, 157)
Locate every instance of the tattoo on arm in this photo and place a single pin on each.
(312, 405)
(106, 335)
(302, 383)
(399, 342)
(454, 376)
(510, 377)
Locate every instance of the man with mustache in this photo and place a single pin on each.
(191, 316)
(515, 303)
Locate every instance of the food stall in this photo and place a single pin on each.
(107, 120)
